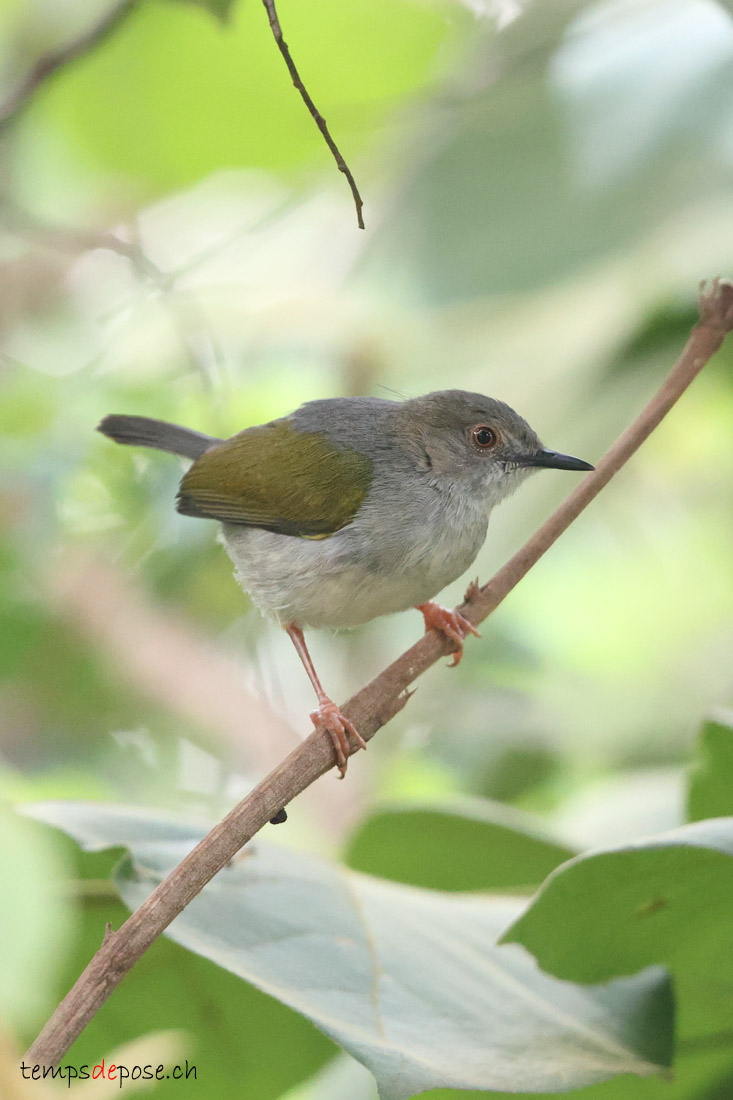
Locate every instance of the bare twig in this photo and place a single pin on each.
(314, 112)
(369, 709)
(50, 63)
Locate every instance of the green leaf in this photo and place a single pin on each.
(611, 912)
(464, 844)
(711, 781)
(667, 900)
(408, 981)
(707, 1076)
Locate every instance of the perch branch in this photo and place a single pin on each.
(313, 110)
(48, 64)
(369, 709)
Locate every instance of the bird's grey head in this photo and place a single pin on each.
(475, 441)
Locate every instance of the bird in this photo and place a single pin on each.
(351, 508)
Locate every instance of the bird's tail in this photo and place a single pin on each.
(141, 431)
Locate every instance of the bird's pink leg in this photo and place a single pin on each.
(327, 716)
(449, 623)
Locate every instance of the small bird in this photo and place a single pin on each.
(353, 507)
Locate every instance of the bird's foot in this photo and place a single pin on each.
(449, 623)
(328, 717)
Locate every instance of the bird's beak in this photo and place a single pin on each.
(555, 461)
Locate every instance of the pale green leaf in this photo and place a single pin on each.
(666, 900)
(408, 981)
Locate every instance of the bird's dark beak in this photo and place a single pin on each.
(555, 461)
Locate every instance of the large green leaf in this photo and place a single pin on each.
(464, 844)
(408, 981)
(699, 1075)
(665, 900)
(711, 782)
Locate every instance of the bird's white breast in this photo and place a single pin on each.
(385, 561)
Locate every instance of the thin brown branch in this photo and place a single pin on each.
(369, 709)
(314, 112)
(50, 63)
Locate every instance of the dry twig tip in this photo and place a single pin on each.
(312, 109)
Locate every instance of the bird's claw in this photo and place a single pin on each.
(451, 624)
(328, 717)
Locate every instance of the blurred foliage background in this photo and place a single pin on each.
(544, 189)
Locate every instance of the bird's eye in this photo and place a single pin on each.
(484, 437)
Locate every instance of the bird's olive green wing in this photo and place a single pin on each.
(272, 476)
